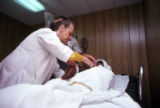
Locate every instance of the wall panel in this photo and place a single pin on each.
(108, 38)
(80, 28)
(99, 34)
(90, 33)
(134, 37)
(12, 33)
(152, 30)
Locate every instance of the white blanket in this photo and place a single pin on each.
(58, 93)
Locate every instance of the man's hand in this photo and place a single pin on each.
(87, 61)
(91, 58)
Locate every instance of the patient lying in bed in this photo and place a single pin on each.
(87, 89)
(72, 70)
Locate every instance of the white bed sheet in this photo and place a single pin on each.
(121, 101)
(58, 94)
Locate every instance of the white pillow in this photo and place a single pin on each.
(98, 78)
(120, 82)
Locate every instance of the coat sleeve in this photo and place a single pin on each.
(52, 43)
(58, 72)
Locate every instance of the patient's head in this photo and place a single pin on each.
(100, 63)
(72, 70)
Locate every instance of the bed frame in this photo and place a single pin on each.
(140, 82)
(135, 86)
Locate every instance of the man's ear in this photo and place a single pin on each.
(61, 28)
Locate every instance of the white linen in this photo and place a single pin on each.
(120, 82)
(119, 101)
(96, 82)
(105, 64)
(34, 60)
(58, 94)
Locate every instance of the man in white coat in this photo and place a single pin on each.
(73, 44)
(34, 60)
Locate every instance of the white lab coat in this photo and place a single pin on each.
(34, 60)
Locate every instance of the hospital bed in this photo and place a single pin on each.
(76, 96)
(132, 85)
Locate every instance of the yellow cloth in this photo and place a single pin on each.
(81, 83)
(76, 57)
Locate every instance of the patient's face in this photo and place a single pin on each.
(100, 63)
